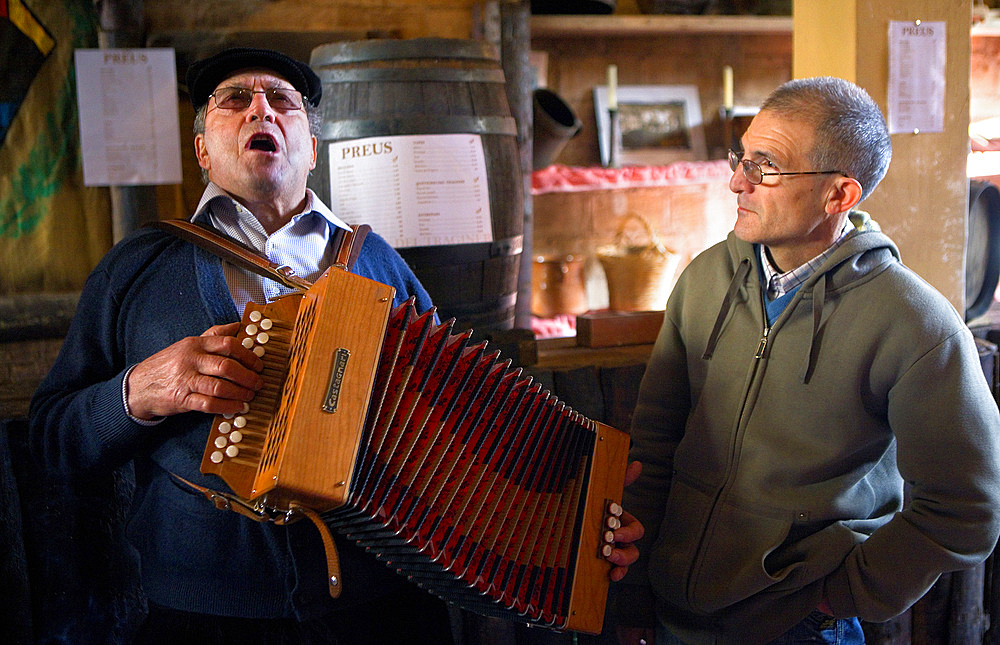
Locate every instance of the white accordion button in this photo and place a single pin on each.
(232, 451)
(240, 422)
(246, 407)
(220, 442)
(262, 338)
(236, 437)
(255, 316)
(259, 351)
(251, 330)
(216, 457)
(248, 343)
(266, 324)
(225, 427)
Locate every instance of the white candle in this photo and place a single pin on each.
(612, 87)
(727, 87)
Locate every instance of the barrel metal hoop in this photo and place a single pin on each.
(414, 74)
(426, 124)
(412, 48)
(430, 256)
(507, 246)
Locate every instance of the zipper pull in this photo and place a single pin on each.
(762, 344)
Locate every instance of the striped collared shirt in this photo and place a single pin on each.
(778, 284)
(300, 244)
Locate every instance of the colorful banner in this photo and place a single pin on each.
(53, 230)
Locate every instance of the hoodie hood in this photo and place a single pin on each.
(865, 253)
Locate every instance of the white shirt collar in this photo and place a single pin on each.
(313, 204)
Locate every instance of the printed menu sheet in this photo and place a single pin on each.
(917, 57)
(413, 190)
(129, 130)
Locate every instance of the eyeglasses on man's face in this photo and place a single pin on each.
(239, 98)
(754, 174)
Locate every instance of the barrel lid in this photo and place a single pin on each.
(388, 49)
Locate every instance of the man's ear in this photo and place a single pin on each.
(201, 152)
(845, 193)
(315, 144)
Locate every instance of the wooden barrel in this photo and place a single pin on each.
(435, 86)
(982, 262)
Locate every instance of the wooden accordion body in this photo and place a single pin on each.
(451, 467)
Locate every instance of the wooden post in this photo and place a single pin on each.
(923, 201)
(121, 27)
(507, 25)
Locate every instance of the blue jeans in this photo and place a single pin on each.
(817, 627)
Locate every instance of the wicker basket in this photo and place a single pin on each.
(640, 274)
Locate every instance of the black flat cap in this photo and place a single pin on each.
(204, 76)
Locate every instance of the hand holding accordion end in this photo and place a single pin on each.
(625, 530)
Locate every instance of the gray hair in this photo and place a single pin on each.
(851, 133)
(314, 115)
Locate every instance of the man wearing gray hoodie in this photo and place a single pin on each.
(801, 376)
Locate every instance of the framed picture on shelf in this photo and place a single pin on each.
(659, 124)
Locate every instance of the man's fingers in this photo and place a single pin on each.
(220, 388)
(630, 530)
(228, 347)
(229, 329)
(632, 472)
(211, 373)
(232, 369)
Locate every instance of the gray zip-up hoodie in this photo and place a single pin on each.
(774, 460)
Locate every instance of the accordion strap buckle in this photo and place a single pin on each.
(226, 502)
(329, 546)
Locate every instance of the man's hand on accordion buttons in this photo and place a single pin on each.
(211, 373)
(625, 551)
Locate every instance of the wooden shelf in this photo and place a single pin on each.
(565, 354)
(588, 26)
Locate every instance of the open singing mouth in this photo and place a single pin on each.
(262, 141)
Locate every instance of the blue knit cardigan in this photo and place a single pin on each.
(149, 291)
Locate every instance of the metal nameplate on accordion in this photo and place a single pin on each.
(289, 443)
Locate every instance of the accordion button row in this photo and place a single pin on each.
(257, 337)
(612, 521)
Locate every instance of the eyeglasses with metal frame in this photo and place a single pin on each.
(755, 175)
(239, 98)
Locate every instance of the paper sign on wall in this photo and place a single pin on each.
(413, 190)
(128, 116)
(917, 56)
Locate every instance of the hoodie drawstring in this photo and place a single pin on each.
(819, 300)
(742, 271)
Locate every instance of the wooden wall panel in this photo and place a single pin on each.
(413, 18)
(923, 201)
(576, 65)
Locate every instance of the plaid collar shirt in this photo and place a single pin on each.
(778, 284)
(300, 244)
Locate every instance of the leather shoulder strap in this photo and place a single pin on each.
(232, 251)
(350, 248)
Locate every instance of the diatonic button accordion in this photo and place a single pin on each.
(456, 470)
